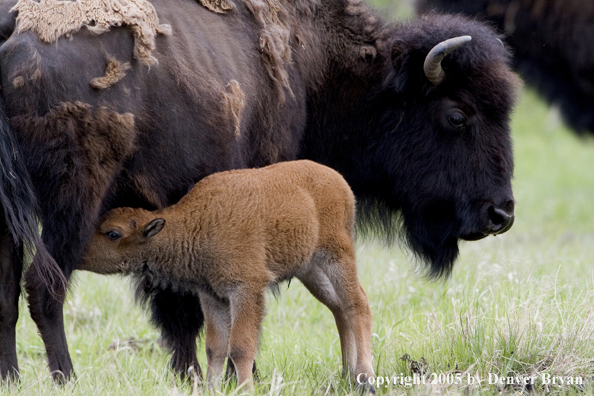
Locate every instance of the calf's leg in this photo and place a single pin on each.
(218, 326)
(333, 280)
(11, 267)
(230, 371)
(247, 307)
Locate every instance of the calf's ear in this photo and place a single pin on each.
(153, 228)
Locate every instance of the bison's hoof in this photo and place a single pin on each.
(366, 389)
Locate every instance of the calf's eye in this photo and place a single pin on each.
(113, 235)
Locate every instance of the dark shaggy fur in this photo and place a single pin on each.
(400, 156)
(360, 103)
(552, 45)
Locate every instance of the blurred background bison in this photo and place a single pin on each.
(552, 44)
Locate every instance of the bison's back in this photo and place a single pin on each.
(207, 105)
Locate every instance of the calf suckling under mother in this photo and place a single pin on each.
(237, 234)
(132, 109)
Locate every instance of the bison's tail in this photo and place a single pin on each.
(19, 202)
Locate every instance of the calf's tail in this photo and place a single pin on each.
(17, 197)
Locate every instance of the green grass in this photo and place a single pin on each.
(518, 304)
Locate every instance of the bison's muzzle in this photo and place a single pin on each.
(497, 219)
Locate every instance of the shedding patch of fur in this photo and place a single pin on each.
(275, 41)
(18, 82)
(114, 72)
(218, 6)
(100, 136)
(52, 19)
(20, 76)
(368, 52)
(275, 37)
(85, 148)
(364, 22)
(234, 103)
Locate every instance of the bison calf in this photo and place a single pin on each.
(234, 235)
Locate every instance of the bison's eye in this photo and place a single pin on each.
(457, 119)
(113, 235)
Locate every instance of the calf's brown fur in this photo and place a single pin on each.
(234, 235)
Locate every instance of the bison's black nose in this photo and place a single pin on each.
(500, 217)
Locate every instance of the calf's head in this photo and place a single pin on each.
(121, 241)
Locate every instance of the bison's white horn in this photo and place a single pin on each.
(432, 66)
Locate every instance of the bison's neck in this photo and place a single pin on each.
(339, 36)
(351, 114)
(346, 133)
(346, 112)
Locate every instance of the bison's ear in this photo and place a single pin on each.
(400, 54)
(153, 228)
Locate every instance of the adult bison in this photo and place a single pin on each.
(137, 106)
(552, 43)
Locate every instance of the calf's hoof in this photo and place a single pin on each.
(230, 373)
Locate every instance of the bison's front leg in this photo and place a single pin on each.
(11, 266)
(65, 236)
(47, 311)
(73, 152)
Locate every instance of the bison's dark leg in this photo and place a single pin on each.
(180, 319)
(46, 307)
(47, 312)
(11, 267)
(74, 151)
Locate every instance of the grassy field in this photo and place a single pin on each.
(518, 304)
